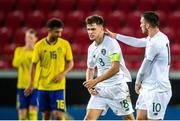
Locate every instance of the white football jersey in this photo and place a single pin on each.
(158, 51)
(99, 56)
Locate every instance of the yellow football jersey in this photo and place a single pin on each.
(52, 60)
(22, 61)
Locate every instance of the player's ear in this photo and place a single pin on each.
(102, 28)
(147, 25)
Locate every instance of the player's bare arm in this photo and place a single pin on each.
(109, 73)
(90, 75)
(29, 89)
(69, 65)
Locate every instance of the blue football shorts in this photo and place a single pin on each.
(51, 100)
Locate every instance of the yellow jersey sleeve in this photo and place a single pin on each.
(18, 57)
(69, 55)
(37, 74)
(36, 57)
(22, 60)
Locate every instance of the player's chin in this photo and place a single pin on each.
(92, 39)
(144, 32)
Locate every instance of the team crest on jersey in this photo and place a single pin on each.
(103, 51)
(59, 49)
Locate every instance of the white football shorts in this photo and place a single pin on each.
(115, 97)
(154, 102)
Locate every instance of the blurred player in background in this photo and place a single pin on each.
(109, 89)
(27, 105)
(56, 60)
(152, 81)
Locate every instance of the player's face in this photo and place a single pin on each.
(55, 33)
(143, 26)
(94, 31)
(30, 39)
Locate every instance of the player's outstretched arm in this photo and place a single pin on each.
(132, 41)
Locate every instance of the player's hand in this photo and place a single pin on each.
(58, 77)
(92, 91)
(28, 90)
(137, 88)
(111, 34)
(90, 83)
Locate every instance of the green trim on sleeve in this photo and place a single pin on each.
(115, 57)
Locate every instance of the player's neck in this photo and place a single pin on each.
(51, 40)
(28, 47)
(153, 32)
(100, 39)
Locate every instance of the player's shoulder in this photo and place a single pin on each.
(40, 42)
(63, 41)
(91, 46)
(20, 48)
(162, 36)
(108, 38)
(111, 41)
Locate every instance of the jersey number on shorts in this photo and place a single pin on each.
(167, 45)
(60, 104)
(101, 62)
(156, 107)
(125, 104)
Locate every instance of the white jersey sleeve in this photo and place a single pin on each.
(143, 71)
(114, 47)
(90, 62)
(132, 41)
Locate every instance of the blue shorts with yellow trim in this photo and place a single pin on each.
(25, 101)
(51, 100)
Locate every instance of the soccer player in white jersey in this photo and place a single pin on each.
(152, 82)
(109, 89)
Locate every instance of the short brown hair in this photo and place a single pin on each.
(152, 18)
(95, 19)
(55, 23)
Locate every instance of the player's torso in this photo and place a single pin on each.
(52, 55)
(159, 75)
(52, 62)
(24, 68)
(100, 56)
